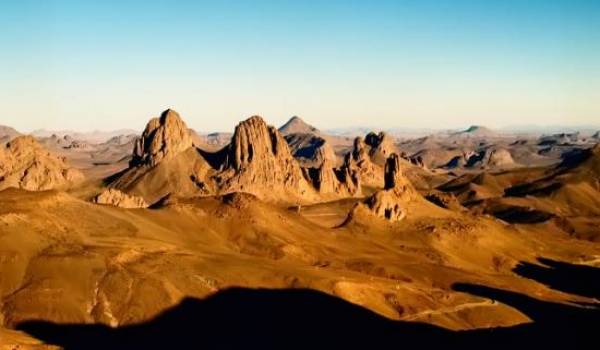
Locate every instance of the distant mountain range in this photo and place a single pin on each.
(95, 136)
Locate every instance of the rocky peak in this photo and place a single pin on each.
(375, 140)
(262, 163)
(254, 141)
(163, 138)
(297, 125)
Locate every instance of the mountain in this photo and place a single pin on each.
(164, 162)
(258, 160)
(297, 126)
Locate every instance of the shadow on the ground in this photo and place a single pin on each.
(569, 278)
(301, 318)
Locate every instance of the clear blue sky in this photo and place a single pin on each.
(112, 64)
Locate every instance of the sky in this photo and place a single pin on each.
(104, 65)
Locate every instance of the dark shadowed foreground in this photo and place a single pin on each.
(300, 318)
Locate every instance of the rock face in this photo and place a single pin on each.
(164, 162)
(25, 164)
(117, 198)
(310, 150)
(324, 153)
(163, 138)
(259, 161)
(392, 174)
(381, 146)
(385, 204)
(329, 180)
(390, 203)
(358, 161)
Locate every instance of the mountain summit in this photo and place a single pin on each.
(296, 125)
(163, 137)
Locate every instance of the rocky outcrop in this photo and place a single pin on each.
(117, 198)
(385, 204)
(163, 138)
(381, 146)
(165, 162)
(444, 200)
(500, 158)
(392, 174)
(259, 161)
(25, 164)
(329, 180)
(490, 158)
(310, 150)
(358, 161)
(324, 153)
(390, 203)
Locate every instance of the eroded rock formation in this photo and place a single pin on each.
(381, 145)
(329, 180)
(25, 164)
(117, 198)
(163, 138)
(359, 162)
(259, 161)
(390, 203)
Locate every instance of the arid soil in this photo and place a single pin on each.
(117, 231)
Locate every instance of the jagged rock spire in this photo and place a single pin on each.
(163, 138)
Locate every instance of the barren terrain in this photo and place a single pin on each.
(432, 232)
